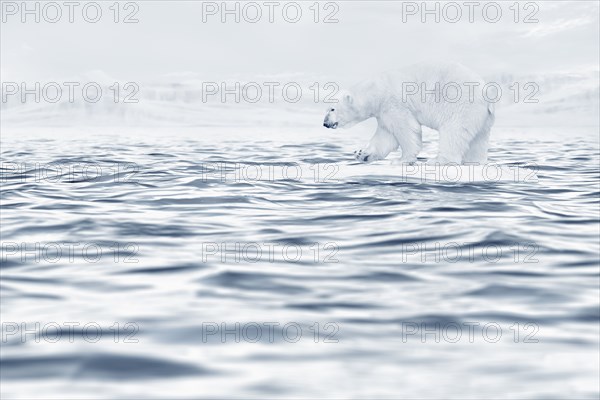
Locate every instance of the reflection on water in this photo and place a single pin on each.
(169, 271)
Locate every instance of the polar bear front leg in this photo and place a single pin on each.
(380, 145)
(406, 130)
(411, 143)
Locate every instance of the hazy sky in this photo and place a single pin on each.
(171, 38)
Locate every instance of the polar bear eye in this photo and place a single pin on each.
(333, 109)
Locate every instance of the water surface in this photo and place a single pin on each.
(399, 289)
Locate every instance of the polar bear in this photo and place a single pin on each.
(449, 98)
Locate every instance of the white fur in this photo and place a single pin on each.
(463, 124)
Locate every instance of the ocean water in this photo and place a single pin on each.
(163, 268)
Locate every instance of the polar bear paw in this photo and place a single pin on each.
(364, 155)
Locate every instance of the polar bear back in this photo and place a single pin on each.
(443, 91)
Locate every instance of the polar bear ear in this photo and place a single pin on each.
(348, 98)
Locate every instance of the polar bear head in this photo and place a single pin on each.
(345, 113)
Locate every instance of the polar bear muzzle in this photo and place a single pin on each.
(330, 120)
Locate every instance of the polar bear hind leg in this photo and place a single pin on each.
(455, 140)
(478, 147)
